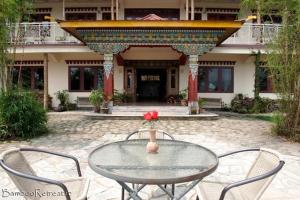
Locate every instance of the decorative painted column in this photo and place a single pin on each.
(193, 83)
(108, 75)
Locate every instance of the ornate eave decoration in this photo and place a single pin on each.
(188, 37)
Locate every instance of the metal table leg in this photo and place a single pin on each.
(137, 190)
(133, 194)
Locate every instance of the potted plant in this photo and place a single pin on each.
(194, 111)
(201, 103)
(125, 97)
(63, 97)
(96, 99)
(118, 97)
(183, 97)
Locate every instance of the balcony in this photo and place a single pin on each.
(253, 34)
(48, 33)
(44, 33)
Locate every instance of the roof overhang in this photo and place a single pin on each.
(189, 37)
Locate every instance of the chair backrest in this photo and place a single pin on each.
(144, 134)
(15, 160)
(265, 162)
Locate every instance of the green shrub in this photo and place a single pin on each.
(21, 115)
(242, 104)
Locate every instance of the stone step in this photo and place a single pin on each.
(180, 109)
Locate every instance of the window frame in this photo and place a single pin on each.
(220, 79)
(270, 87)
(32, 76)
(81, 77)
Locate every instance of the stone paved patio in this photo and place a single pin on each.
(73, 134)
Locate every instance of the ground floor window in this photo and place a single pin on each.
(215, 79)
(85, 78)
(265, 80)
(28, 77)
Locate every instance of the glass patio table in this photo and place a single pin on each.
(176, 162)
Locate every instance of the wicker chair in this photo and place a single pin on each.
(19, 170)
(267, 164)
(144, 134)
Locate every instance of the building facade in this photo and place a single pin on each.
(148, 49)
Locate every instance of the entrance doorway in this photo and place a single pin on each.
(151, 80)
(151, 85)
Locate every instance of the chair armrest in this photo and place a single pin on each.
(252, 179)
(165, 133)
(239, 151)
(131, 134)
(37, 178)
(56, 154)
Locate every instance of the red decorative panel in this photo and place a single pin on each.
(29, 63)
(223, 10)
(43, 10)
(82, 9)
(216, 63)
(85, 62)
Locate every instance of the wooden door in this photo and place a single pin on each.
(173, 81)
(129, 82)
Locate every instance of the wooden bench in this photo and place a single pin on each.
(214, 103)
(83, 103)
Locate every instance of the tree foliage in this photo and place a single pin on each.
(12, 12)
(284, 61)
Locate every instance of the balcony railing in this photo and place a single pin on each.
(251, 34)
(42, 33)
(51, 33)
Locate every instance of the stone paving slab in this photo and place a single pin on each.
(73, 134)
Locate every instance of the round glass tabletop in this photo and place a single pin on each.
(175, 162)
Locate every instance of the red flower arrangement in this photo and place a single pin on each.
(150, 118)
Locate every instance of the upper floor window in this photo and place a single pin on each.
(265, 80)
(106, 13)
(81, 14)
(221, 17)
(272, 18)
(38, 15)
(222, 14)
(197, 13)
(136, 13)
(215, 79)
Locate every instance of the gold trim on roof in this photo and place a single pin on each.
(152, 24)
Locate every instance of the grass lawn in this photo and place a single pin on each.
(269, 118)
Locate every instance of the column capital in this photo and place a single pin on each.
(193, 65)
(108, 64)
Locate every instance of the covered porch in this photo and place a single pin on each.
(189, 39)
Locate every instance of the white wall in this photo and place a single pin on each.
(183, 77)
(118, 76)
